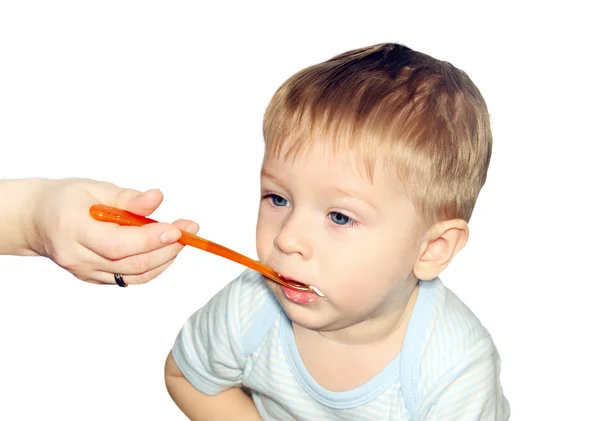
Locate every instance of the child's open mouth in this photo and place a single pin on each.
(299, 292)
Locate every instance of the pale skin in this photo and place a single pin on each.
(50, 218)
(360, 242)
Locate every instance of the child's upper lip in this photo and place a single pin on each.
(289, 278)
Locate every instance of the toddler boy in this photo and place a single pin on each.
(373, 162)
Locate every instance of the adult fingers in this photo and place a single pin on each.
(114, 242)
(142, 278)
(144, 262)
(141, 203)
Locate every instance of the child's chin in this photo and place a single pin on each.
(308, 323)
(305, 316)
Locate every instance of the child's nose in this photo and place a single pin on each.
(294, 237)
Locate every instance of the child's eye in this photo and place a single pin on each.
(277, 200)
(341, 219)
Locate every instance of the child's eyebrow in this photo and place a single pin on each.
(264, 173)
(353, 194)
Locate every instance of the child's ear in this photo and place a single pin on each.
(441, 243)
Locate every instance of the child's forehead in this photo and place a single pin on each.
(337, 168)
(325, 160)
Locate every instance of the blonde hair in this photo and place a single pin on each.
(421, 117)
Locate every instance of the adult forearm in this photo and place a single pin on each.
(16, 215)
(231, 404)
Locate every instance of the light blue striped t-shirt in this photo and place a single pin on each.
(447, 370)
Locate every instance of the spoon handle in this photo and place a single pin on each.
(122, 217)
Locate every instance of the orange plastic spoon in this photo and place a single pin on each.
(122, 217)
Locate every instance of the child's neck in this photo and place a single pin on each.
(345, 359)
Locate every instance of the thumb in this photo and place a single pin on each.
(138, 202)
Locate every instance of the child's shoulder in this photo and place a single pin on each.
(249, 286)
(448, 327)
(454, 320)
(253, 308)
(441, 318)
(451, 336)
(249, 292)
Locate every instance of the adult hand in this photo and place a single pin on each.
(63, 230)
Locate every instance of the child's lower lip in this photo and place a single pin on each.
(299, 297)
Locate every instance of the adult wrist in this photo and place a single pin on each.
(30, 212)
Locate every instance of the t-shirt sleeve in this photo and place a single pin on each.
(470, 390)
(207, 350)
(460, 368)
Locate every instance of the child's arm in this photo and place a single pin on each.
(470, 391)
(207, 364)
(231, 404)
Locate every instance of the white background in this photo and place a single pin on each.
(171, 95)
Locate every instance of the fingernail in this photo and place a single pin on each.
(144, 194)
(170, 236)
(192, 227)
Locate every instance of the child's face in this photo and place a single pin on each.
(322, 223)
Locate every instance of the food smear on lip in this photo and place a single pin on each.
(318, 292)
(299, 297)
(300, 294)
